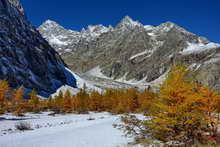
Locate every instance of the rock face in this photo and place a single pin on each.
(25, 57)
(132, 52)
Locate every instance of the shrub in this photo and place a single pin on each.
(23, 126)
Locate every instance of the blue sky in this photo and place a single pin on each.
(198, 16)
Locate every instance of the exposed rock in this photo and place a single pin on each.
(137, 52)
(25, 57)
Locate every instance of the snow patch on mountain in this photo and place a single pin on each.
(81, 83)
(63, 89)
(96, 72)
(132, 81)
(165, 27)
(149, 27)
(146, 52)
(198, 47)
(55, 41)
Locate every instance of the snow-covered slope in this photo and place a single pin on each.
(81, 83)
(199, 47)
(62, 130)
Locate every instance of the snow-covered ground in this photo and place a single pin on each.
(62, 130)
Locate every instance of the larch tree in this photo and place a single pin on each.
(3, 90)
(182, 110)
(19, 102)
(145, 101)
(95, 101)
(81, 102)
(67, 102)
(34, 102)
(184, 113)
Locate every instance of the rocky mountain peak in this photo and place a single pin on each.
(50, 24)
(128, 22)
(136, 53)
(93, 31)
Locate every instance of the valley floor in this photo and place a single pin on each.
(89, 130)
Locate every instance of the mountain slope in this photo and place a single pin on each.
(135, 52)
(26, 58)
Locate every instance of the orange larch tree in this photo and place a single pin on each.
(3, 90)
(19, 102)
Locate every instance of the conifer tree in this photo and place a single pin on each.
(19, 102)
(50, 103)
(182, 110)
(34, 102)
(81, 102)
(3, 90)
(132, 99)
(145, 101)
(58, 102)
(67, 102)
(95, 101)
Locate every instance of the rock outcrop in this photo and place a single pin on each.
(26, 59)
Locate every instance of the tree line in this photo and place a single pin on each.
(112, 100)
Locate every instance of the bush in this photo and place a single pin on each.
(23, 126)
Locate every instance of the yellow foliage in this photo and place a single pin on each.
(182, 107)
(3, 91)
(34, 102)
(19, 102)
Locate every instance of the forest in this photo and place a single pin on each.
(183, 111)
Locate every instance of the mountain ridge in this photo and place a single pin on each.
(135, 52)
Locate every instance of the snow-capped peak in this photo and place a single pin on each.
(93, 31)
(166, 27)
(50, 23)
(128, 22)
(97, 29)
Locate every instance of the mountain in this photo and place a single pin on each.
(26, 59)
(133, 53)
